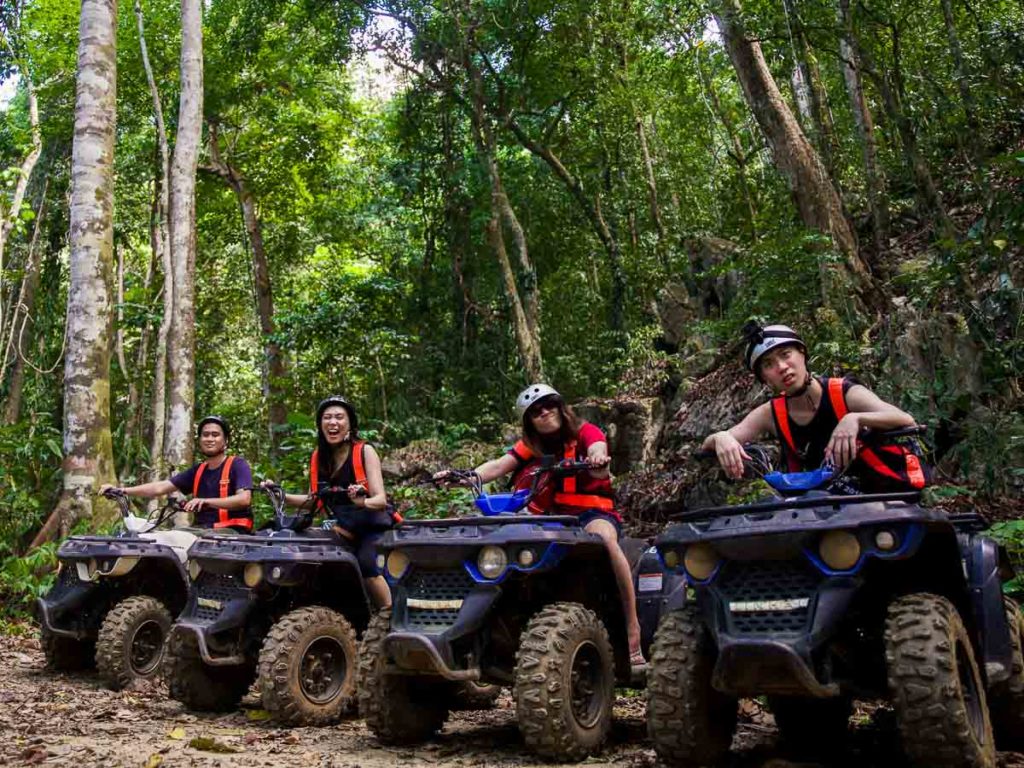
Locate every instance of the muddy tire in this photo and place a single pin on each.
(66, 654)
(130, 644)
(1007, 698)
(564, 682)
(307, 668)
(812, 726)
(399, 709)
(201, 687)
(472, 695)
(936, 688)
(689, 722)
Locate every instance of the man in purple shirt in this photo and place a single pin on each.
(216, 484)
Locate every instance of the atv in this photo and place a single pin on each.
(115, 597)
(813, 598)
(504, 599)
(285, 606)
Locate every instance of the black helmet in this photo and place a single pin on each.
(762, 339)
(214, 419)
(338, 400)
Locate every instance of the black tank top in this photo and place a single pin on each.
(810, 439)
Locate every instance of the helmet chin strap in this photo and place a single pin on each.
(803, 387)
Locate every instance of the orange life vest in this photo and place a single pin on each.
(223, 521)
(565, 494)
(904, 467)
(358, 471)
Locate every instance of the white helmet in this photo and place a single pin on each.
(532, 394)
(761, 340)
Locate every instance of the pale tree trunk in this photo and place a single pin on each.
(874, 176)
(816, 198)
(275, 372)
(9, 215)
(181, 338)
(525, 314)
(160, 242)
(23, 313)
(963, 82)
(88, 453)
(652, 184)
(592, 212)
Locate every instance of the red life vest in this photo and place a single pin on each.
(223, 521)
(890, 465)
(563, 492)
(358, 471)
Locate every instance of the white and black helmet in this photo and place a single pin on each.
(532, 394)
(761, 340)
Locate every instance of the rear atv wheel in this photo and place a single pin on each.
(307, 668)
(565, 682)
(689, 722)
(1007, 697)
(399, 709)
(130, 645)
(812, 726)
(66, 654)
(199, 686)
(936, 688)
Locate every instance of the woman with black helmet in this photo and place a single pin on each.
(551, 428)
(342, 460)
(816, 419)
(213, 483)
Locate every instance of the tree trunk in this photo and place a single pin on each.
(963, 82)
(181, 337)
(160, 242)
(816, 198)
(9, 217)
(874, 176)
(275, 373)
(652, 186)
(591, 210)
(24, 310)
(88, 453)
(525, 314)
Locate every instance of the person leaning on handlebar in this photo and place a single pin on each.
(551, 428)
(816, 419)
(215, 483)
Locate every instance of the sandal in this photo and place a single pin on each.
(637, 660)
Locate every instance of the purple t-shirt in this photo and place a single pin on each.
(239, 476)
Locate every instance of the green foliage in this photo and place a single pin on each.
(25, 579)
(1010, 534)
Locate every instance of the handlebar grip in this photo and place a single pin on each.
(888, 434)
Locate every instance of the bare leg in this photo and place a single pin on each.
(380, 594)
(620, 565)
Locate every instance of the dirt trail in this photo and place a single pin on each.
(52, 719)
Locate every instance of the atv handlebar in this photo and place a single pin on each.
(866, 435)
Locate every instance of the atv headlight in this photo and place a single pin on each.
(492, 562)
(253, 575)
(397, 564)
(886, 540)
(700, 561)
(840, 550)
(194, 569)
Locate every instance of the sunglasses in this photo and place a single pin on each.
(548, 404)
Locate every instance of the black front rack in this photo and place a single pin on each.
(795, 503)
(452, 522)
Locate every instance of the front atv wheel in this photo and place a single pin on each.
(812, 726)
(565, 682)
(130, 644)
(202, 687)
(307, 668)
(689, 722)
(936, 688)
(1008, 696)
(399, 709)
(66, 654)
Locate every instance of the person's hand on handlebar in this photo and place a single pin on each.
(599, 462)
(730, 454)
(356, 492)
(194, 505)
(110, 490)
(454, 477)
(842, 446)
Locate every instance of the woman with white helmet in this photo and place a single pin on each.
(816, 419)
(551, 428)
